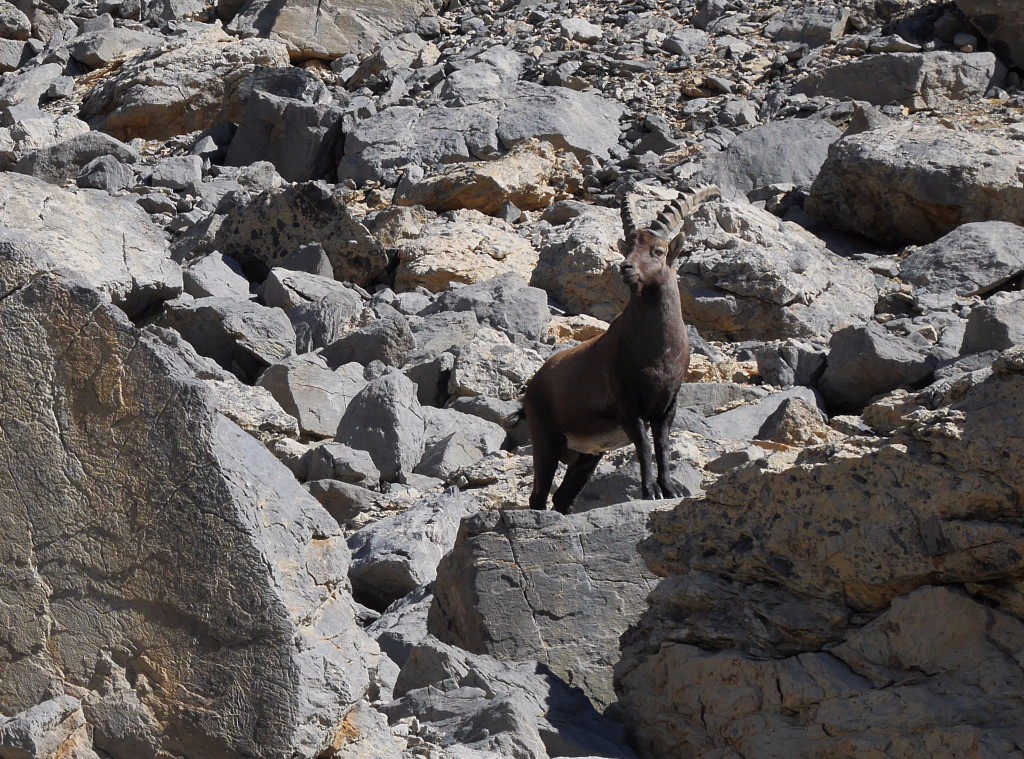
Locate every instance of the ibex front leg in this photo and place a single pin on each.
(661, 429)
(637, 433)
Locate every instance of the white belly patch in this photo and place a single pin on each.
(594, 444)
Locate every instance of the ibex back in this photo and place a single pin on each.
(602, 394)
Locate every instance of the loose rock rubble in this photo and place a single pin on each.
(273, 276)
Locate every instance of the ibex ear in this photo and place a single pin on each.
(675, 247)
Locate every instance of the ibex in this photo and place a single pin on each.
(602, 394)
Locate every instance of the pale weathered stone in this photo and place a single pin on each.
(579, 259)
(315, 30)
(109, 241)
(917, 81)
(187, 84)
(532, 176)
(491, 364)
(465, 247)
(751, 276)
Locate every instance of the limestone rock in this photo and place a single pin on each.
(928, 180)
(60, 163)
(854, 601)
(394, 556)
(505, 303)
(973, 259)
(301, 139)
(790, 151)
(14, 25)
(462, 246)
(316, 396)
(532, 176)
(275, 223)
(216, 275)
(125, 256)
(388, 340)
(579, 259)
(916, 81)
(188, 84)
(996, 325)
(490, 364)
(130, 438)
(243, 337)
(386, 420)
(503, 589)
(55, 729)
(868, 360)
(500, 708)
(101, 48)
(751, 276)
(485, 123)
(816, 25)
(313, 30)
(320, 309)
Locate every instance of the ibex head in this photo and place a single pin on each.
(651, 253)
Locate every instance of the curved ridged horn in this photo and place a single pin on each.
(671, 218)
(628, 219)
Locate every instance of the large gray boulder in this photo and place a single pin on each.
(301, 139)
(914, 183)
(274, 224)
(502, 590)
(789, 151)
(505, 303)
(100, 48)
(386, 420)
(396, 555)
(916, 81)
(144, 532)
(320, 309)
(579, 258)
(1001, 24)
(973, 259)
(59, 164)
(996, 325)
(191, 83)
(483, 125)
(110, 242)
(867, 595)
(322, 30)
(867, 360)
(751, 276)
(815, 25)
(311, 392)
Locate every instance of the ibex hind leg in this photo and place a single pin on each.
(576, 476)
(546, 451)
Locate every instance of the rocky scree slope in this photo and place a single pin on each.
(273, 275)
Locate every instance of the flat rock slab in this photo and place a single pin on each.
(917, 81)
(315, 30)
(142, 526)
(531, 584)
(913, 184)
(110, 242)
(485, 124)
(973, 259)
